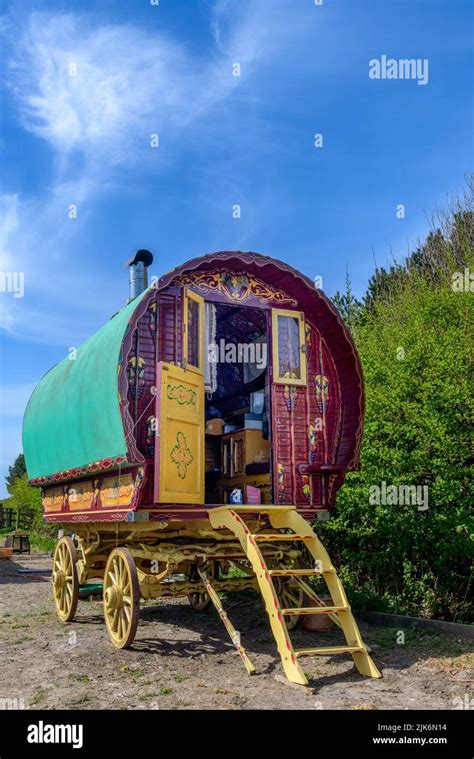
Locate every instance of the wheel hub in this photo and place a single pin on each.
(59, 579)
(114, 598)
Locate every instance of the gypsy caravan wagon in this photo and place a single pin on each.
(202, 430)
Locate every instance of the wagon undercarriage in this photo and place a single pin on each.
(272, 550)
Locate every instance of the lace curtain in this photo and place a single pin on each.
(210, 367)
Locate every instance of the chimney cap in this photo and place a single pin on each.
(141, 255)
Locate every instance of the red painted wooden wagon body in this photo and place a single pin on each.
(313, 420)
(194, 434)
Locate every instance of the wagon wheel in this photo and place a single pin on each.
(65, 579)
(201, 601)
(121, 597)
(291, 596)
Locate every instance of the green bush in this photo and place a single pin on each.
(414, 337)
(46, 540)
(26, 501)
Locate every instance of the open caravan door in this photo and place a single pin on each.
(179, 450)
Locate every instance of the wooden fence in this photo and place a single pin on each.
(7, 517)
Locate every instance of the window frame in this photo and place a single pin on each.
(277, 379)
(190, 295)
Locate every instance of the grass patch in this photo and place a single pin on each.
(39, 697)
(145, 696)
(461, 662)
(422, 641)
(24, 639)
(85, 698)
(82, 678)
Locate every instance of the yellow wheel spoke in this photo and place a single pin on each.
(292, 597)
(115, 620)
(121, 624)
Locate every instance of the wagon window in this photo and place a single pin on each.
(289, 359)
(194, 331)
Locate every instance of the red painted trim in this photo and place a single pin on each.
(171, 512)
(102, 516)
(157, 464)
(129, 423)
(70, 474)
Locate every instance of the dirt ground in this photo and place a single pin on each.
(182, 659)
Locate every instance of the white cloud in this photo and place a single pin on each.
(128, 82)
(103, 90)
(33, 239)
(91, 88)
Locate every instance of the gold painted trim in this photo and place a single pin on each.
(190, 295)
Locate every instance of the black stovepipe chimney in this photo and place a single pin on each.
(137, 273)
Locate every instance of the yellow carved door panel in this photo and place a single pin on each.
(179, 450)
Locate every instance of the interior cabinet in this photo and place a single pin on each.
(241, 448)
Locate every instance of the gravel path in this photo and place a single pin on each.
(184, 660)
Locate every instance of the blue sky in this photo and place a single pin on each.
(86, 84)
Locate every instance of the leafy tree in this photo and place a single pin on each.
(17, 470)
(348, 306)
(414, 337)
(27, 503)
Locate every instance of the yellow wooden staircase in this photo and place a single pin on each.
(286, 518)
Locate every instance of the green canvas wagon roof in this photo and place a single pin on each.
(73, 416)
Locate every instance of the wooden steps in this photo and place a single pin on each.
(297, 572)
(287, 518)
(315, 610)
(328, 651)
(277, 538)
